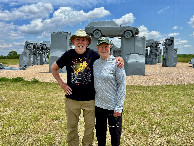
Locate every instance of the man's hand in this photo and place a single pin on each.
(120, 62)
(55, 74)
(116, 114)
(66, 88)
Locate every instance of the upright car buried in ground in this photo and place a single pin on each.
(110, 29)
(192, 62)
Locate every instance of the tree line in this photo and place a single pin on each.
(11, 55)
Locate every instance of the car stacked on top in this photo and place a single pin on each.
(110, 29)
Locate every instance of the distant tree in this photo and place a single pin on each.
(13, 55)
(3, 57)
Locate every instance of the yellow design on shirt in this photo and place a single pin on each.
(79, 67)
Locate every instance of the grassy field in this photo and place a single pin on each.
(180, 58)
(7, 62)
(184, 58)
(32, 113)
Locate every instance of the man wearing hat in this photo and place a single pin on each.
(80, 93)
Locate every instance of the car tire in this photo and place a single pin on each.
(29, 46)
(97, 34)
(127, 34)
(169, 42)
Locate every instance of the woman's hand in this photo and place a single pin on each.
(120, 62)
(116, 114)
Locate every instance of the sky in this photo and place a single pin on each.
(35, 20)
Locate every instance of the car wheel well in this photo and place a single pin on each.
(97, 33)
(128, 33)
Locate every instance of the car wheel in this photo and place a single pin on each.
(127, 34)
(97, 34)
(29, 46)
(169, 42)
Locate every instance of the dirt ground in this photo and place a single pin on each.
(183, 73)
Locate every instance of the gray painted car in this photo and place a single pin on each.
(110, 29)
(7, 67)
(192, 62)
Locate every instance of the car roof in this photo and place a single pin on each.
(102, 23)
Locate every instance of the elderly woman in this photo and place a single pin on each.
(110, 87)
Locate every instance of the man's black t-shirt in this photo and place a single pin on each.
(79, 73)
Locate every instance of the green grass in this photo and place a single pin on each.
(184, 58)
(7, 62)
(160, 115)
(180, 58)
(33, 113)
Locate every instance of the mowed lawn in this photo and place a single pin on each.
(33, 113)
(7, 62)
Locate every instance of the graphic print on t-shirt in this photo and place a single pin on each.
(82, 73)
(79, 67)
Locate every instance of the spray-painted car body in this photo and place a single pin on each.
(7, 67)
(192, 62)
(110, 29)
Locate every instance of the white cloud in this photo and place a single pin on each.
(65, 3)
(191, 22)
(39, 10)
(44, 35)
(70, 16)
(173, 34)
(7, 35)
(116, 41)
(61, 18)
(15, 35)
(177, 27)
(143, 31)
(183, 46)
(187, 46)
(6, 47)
(35, 27)
(64, 16)
(163, 10)
(97, 13)
(4, 26)
(126, 19)
(6, 16)
(154, 34)
(4, 44)
(180, 42)
(6, 29)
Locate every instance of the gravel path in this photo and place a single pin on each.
(183, 73)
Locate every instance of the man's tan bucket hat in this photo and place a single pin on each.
(81, 33)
